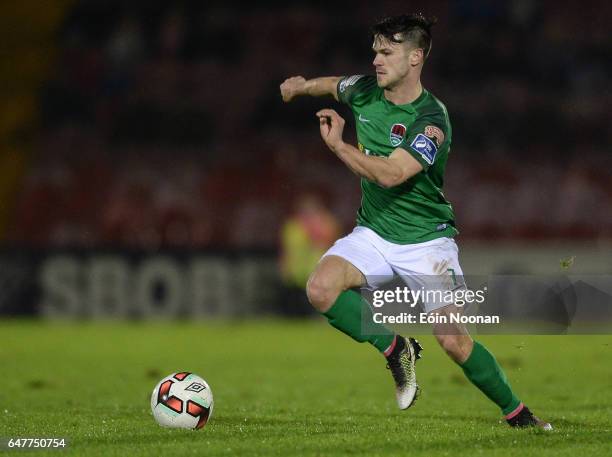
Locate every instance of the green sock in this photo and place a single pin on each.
(484, 372)
(346, 315)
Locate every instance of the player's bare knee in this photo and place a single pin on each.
(321, 292)
(327, 282)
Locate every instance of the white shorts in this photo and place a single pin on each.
(429, 265)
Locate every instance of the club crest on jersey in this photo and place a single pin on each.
(398, 131)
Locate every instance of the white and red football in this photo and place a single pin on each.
(182, 400)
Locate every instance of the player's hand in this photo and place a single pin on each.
(331, 126)
(292, 87)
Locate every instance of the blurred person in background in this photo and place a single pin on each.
(305, 236)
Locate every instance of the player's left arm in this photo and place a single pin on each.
(386, 171)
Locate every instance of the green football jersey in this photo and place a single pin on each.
(416, 210)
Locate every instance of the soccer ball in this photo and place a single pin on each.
(182, 400)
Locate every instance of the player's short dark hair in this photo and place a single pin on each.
(415, 28)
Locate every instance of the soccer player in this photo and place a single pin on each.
(405, 225)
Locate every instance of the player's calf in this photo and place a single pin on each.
(330, 292)
(457, 347)
(482, 370)
(452, 337)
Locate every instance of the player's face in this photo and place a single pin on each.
(392, 61)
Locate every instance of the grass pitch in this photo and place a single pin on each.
(291, 388)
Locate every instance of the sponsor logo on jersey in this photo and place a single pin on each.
(434, 132)
(363, 119)
(365, 150)
(425, 147)
(398, 131)
(346, 82)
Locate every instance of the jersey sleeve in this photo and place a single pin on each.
(427, 136)
(356, 90)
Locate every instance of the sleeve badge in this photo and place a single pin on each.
(434, 132)
(425, 147)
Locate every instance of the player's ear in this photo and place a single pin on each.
(416, 57)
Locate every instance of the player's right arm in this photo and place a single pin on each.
(317, 87)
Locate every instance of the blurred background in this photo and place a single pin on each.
(149, 167)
